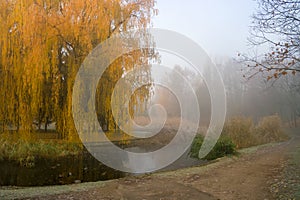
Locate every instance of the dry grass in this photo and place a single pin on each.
(240, 130)
(269, 129)
(244, 133)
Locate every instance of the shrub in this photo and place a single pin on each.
(196, 145)
(240, 130)
(223, 147)
(244, 133)
(269, 129)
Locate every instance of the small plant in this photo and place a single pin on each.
(196, 145)
(223, 147)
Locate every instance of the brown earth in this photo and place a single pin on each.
(257, 173)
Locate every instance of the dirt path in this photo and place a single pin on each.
(265, 172)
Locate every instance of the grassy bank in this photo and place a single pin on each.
(238, 132)
(223, 147)
(25, 152)
(241, 132)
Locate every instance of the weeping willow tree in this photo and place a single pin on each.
(44, 42)
(137, 60)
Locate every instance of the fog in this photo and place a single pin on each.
(246, 95)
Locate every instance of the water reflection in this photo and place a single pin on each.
(66, 170)
(80, 168)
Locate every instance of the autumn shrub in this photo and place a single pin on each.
(223, 147)
(240, 131)
(244, 133)
(269, 129)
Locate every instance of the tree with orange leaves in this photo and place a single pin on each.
(43, 43)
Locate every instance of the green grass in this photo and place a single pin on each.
(25, 152)
(223, 147)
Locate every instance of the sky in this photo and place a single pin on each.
(220, 27)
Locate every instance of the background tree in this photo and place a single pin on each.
(276, 24)
(256, 97)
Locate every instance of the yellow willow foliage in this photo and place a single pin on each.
(43, 43)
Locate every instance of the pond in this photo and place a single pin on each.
(71, 169)
(65, 170)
